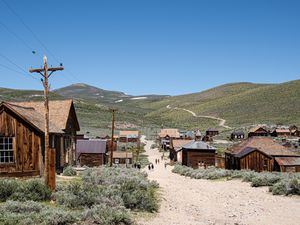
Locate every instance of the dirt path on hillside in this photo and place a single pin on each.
(188, 201)
(221, 124)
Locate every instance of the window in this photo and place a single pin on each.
(6, 150)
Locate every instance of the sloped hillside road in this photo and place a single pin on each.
(221, 124)
(188, 201)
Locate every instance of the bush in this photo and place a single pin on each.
(21, 207)
(104, 215)
(33, 190)
(69, 171)
(7, 188)
(279, 188)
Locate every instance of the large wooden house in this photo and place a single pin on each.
(22, 142)
(261, 154)
(91, 152)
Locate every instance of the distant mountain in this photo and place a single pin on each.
(88, 92)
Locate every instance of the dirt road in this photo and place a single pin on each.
(188, 201)
(221, 124)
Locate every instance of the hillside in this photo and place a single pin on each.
(240, 104)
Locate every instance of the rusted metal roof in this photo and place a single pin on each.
(264, 144)
(91, 146)
(288, 161)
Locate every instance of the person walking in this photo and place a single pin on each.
(165, 165)
(152, 167)
(149, 167)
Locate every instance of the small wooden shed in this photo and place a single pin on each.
(198, 153)
(258, 132)
(91, 152)
(129, 136)
(212, 132)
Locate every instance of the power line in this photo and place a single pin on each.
(20, 39)
(18, 72)
(16, 65)
(37, 39)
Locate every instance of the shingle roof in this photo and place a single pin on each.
(288, 161)
(247, 151)
(91, 146)
(174, 133)
(198, 145)
(264, 144)
(33, 112)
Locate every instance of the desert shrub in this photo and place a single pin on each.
(69, 171)
(21, 207)
(104, 215)
(265, 179)
(33, 190)
(27, 213)
(293, 187)
(7, 188)
(132, 186)
(279, 188)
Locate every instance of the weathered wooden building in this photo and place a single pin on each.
(122, 157)
(22, 145)
(169, 134)
(212, 132)
(281, 132)
(198, 153)
(259, 154)
(258, 132)
(91, 152)
(129, 136)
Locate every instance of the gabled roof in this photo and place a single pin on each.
(264, 144)
(91, 146)
(198, 145)
(247, 151)
(255, 129)
(122, 155)
(282, 130)
(173, 133)
(33, 113)
(238, 132)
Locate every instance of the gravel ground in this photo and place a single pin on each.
(188, 201)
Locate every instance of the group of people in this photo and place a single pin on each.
(137, 166)
(151, 166)
(157, 161)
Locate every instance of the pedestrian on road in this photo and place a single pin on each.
(152, 167)
(165, 165)
(155, 161)
(149, 167)
(158, 160)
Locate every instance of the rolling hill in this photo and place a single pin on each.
(240, 104)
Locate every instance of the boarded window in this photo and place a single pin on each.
(6, 150)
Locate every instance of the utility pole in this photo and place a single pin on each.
(44, 73)
(112, 136)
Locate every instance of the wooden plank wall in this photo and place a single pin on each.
(26, 143)
(255, 161)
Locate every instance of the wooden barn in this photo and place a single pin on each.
(22, 145)
(212, 132)
(237, 135)
(198, 153)
(259, 154)
(258, 132)
(127, 136)
(92, 152)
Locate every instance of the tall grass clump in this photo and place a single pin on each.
(69, 171)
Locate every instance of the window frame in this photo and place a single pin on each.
(7, 150)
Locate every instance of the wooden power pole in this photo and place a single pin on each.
(44, 73)
(112, 136)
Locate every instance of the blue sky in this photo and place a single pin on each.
(151, 46)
